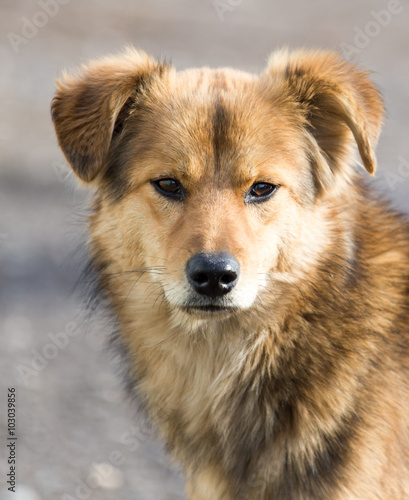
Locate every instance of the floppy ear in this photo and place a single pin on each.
(336, 98)
(86, 107)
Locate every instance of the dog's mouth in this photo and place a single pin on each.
(209, 309)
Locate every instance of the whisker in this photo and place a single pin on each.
(160, 342)
(158, 270)
(152, 284)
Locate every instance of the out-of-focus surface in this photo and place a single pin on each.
(77, 437)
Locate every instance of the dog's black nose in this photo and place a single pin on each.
(213, 274)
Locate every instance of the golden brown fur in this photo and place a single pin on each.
(297, 387)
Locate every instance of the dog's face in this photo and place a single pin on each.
(215, 180)
(217, 185)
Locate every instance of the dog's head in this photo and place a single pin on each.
(215, 181)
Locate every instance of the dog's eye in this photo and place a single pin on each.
(170, 188)
(260, 191)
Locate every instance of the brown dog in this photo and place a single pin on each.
(261, 289)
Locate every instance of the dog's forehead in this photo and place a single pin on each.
(206, 80)
(210, 120)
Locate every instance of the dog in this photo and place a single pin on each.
(261, 288)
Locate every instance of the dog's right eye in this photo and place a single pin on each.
(170, 188)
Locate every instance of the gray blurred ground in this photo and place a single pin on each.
(77, 437)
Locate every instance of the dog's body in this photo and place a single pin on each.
(261, 290)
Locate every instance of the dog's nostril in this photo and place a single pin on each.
(200, 278)
(228, 278)
(213, 274)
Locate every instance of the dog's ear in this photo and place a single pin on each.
(336, 98)
(87, 106)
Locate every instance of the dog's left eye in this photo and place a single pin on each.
(170, 188)
(260, 191)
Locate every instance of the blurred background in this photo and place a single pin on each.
(77, 436)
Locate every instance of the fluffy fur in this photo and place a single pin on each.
(297, 388)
